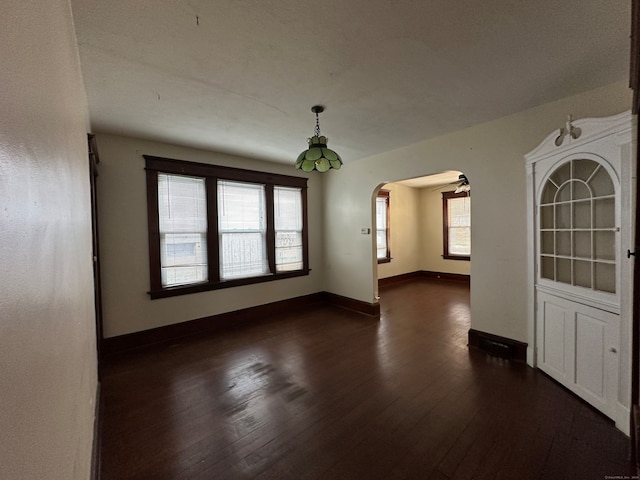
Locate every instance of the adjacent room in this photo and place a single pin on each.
(423, 224)
(298, 240)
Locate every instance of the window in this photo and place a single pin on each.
(288, 225)
(242, 228)
(382, 227)
(214, 227)
(182, 215)
(456, 219)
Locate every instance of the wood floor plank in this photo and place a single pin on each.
(326, 393)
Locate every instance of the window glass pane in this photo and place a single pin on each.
(547, 217)
(604, 213)
(605, 277)
(582, 244)
(601, 183)
(582, 273)
(242, 255)
(288, 251)
(381, 242)
(459, 213)
(381, 213)
(548, 265)
(564, 193)
(549, 193)
(240, 206)
(583, 168)
(288, 228)
(547, 243)
(563, 243)
(242, 230)
(561, 174)
(287, 208)
(183, 259)
(604, 243)
(459, 241)
(580, 191)
(563, 270)
(582, 214)
(381, 228)
(563, 215)
(182, 214)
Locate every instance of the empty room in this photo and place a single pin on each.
(292, 240)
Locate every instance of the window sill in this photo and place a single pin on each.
(384, 260)
(457, 257)
(237, 282)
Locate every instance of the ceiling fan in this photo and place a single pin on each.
(462, 185)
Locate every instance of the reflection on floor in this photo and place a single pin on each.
(330, 394)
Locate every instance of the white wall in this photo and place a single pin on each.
(492, 156)
(47, 325)
(431, 242)
(124, 241)
(404, 224)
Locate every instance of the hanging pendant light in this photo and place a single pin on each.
(318, 156)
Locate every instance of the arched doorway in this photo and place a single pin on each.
(413, 226)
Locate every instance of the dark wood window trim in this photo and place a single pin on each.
(385, 194)
(445, 225)
(212, 173)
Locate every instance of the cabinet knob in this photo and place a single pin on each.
(613, 350)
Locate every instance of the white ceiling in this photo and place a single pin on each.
(240, 76)
(449, 177)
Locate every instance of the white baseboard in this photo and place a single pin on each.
(623, 419)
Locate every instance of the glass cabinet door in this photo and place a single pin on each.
(577, 226)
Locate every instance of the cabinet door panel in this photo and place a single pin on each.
(577, 346)
(590, 355)
(554, 326)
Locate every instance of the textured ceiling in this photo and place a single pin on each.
(240, 76)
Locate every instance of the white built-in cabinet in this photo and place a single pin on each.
(579, 204)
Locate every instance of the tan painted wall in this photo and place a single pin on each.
(47, 325)
(404, 223)
(416, 233)
(124, 242)
(492, 156)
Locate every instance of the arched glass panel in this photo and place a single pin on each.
(577, 226)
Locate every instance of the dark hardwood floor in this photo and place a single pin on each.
(330, 394)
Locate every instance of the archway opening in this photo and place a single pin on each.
(422, 227)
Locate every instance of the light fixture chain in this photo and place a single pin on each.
(318, 156)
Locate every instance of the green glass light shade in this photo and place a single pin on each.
(318, 156)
